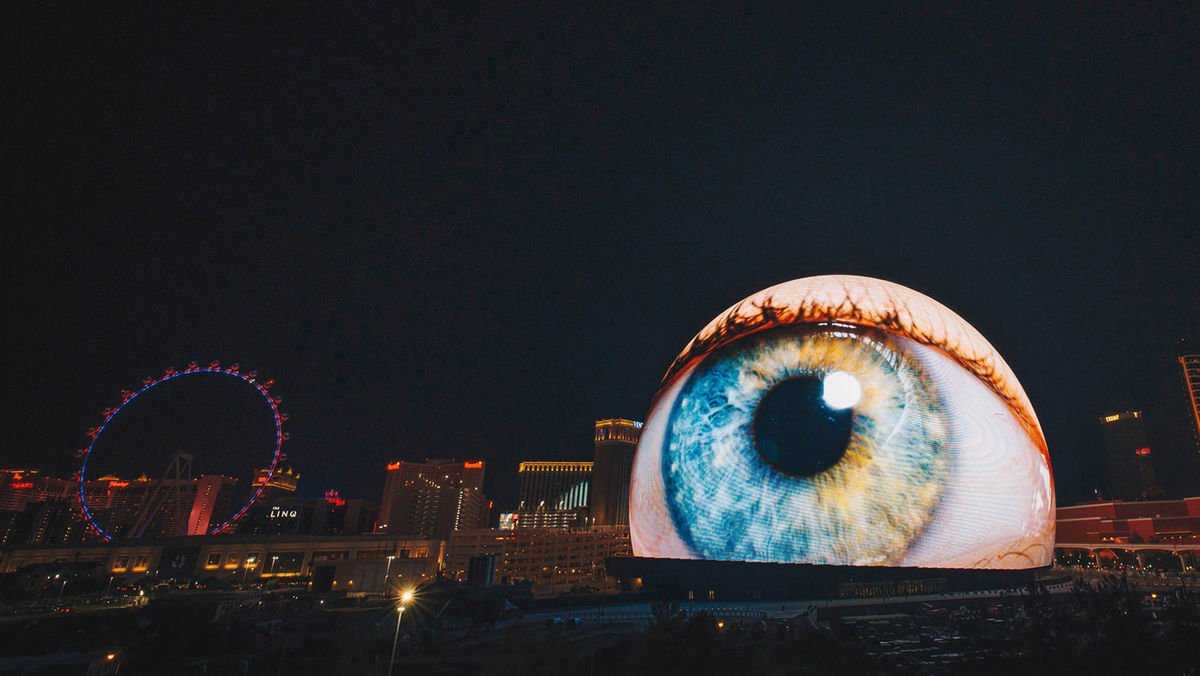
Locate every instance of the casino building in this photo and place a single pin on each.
(1189, 368)
(551, 495)
(432, 499)
(616, 443)
(1127, 457)
(547, 486)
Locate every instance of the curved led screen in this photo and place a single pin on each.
(846, 421)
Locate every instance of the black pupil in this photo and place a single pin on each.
(796, 432)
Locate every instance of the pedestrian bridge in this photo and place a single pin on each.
(1142, 555)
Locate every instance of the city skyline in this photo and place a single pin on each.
(507, 479)
(575, 338)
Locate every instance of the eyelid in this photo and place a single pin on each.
(865, 302)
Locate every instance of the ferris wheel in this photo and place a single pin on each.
(182, 460)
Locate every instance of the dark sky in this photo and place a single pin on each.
(447, 232)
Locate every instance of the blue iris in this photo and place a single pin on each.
(756, 468)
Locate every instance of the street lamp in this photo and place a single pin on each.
(246, 571)
(386, 573)
(404, 598)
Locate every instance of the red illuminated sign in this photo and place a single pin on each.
(1143, 451)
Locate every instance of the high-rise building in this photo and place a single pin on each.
(616, 442)
(1127, 456)
(55, 521)
(432, 498)
(335, 515)
(163, 507)
(52, 521)
(1189, 365)
(159, 507)
(550, 486)
(212, 504)
(114, 502)
(19, 487)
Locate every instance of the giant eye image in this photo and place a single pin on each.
(843, 420)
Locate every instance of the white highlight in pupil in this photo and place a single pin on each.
(841, 390)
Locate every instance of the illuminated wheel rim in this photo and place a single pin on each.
(171, 374)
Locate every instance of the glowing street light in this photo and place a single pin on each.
(246, 566)
(405, 598)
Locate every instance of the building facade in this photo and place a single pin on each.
(19, 487)
(144, 507)
(55, 521)
(616, 441)
(335, 515)
(549, 486)
(157, 507)
(432, 499)
(359, 563)
(555, 518)
(212, 503)
(1157, 536)
(1127, 457)
(552, 561)
(1189, 366)
(281, 484)
(1117, 522)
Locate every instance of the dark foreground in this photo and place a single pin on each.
(1105, 626)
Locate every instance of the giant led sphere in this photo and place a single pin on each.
(843, 420)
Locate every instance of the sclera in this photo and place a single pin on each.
(999, 511)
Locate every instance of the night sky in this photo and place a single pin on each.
(457, 233)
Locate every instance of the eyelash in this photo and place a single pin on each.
(736, 325)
